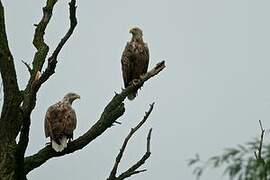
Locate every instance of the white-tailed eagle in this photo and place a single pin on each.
(60, 122)
(135, 59)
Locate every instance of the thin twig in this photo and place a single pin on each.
(122, 149)
(27, 66)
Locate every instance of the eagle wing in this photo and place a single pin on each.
(60, 120)
(70, 122)
(143, 59)
(127, 64)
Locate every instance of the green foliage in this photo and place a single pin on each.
(240, 163)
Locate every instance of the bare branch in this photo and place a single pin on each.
(12, 96)
(52, 61)
(133, 170)
(29, 101)
(38, 41)
(132, 131)
(111, 113)
(36, 79)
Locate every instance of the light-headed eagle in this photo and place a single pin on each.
(60, 122)
(135, 59)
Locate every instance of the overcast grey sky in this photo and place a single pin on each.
(211, 95)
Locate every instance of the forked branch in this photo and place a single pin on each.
(133, 170)
(111, 113)
(52, 61)
(36, 80)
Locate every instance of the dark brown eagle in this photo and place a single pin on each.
(135, 59)
(60, 122)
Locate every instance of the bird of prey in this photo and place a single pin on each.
(135, 59)
(60, 122)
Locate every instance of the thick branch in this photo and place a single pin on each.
(36, 81)
(132, 131)
(12, 97)
(111, 113)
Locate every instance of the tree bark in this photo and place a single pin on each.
(11, 116)
(7, 159)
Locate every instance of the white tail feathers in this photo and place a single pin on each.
(60, 147)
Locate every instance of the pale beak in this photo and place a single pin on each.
(78, 97)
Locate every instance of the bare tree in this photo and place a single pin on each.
(18, 104)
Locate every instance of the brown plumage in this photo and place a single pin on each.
(60, 122)
(135, 59)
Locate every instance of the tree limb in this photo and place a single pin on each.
(111, 113)
(52, 61)
(36, 80)
(133, 169)
(38, 41)
(12, 96)
(29, 100)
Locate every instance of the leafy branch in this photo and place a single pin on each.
(239, 162)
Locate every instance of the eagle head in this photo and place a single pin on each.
(135, 31)
(70, 97)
